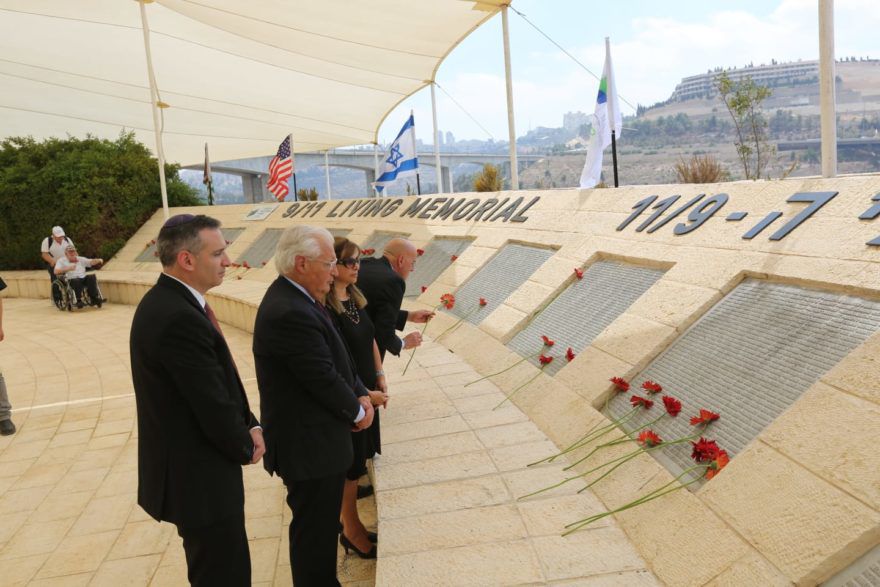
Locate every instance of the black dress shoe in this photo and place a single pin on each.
(347, 545)
(364, 491)
(7, 428)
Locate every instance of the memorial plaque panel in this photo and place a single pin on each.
(379, 239)
(339, 231)
(749, 358)
(497, 279)
(149, 254)
(584, 309)
(262, 249)
(438, 256)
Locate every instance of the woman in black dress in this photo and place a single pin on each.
(346, 302)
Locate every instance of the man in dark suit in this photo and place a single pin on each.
(310, 399)
(383, 281)
(194, 424)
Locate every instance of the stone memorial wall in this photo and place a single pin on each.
(757, 300)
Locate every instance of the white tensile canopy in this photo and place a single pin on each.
(239, 75)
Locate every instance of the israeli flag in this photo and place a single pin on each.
(401, 160)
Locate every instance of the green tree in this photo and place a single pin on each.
(743, 100)
(100, 191)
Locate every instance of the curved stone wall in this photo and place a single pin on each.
(800, 500)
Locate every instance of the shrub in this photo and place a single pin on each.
(100, 191)
(700, 169)
(488, 180)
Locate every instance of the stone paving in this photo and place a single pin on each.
(446, 484)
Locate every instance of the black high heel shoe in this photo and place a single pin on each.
(373, 537)
(347, 545)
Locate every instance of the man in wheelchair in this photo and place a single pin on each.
(72, 268)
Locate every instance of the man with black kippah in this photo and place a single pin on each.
(195, 427)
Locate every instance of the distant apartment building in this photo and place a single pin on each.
(450, 138)
(702, 86)
(572, 121)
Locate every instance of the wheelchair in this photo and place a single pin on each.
(64, 296)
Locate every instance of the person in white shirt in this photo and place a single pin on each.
(52, 247)
(73, 268)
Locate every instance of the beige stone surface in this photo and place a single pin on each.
(751, 569)
(805, 526)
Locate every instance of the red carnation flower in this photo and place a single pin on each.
(579, 273)
(547, 341)
(569, 354)
(245, 265)
(719, 462)
(637, 401)
(705, 417)
(704, 450)
(153, 242)
(672, 405)
(453, 258)
(649, 439)
(447, 301)
(620, 384)
(652, 387)
(367, 252)
(420, 252)
(483, 301)
(424, 288)
(545, 360)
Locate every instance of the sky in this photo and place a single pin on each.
(653, 45)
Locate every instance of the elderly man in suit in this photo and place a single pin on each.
(383, 281)
(195, 427)
(310, 398)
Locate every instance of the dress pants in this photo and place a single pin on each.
(90, 282)
(5, 406)
(314, 529)
(217, 554)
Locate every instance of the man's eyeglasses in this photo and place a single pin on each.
(328, 265)
(349, 262)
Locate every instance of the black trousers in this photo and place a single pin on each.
(314, 529)
(217, 554)
(90, 282)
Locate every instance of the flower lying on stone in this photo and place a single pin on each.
(705, 417)
(579, 273)
(420, 252)
(649, 438)
(547, 343)
(652, 387)
(569, 355)
(453, 258)
(672, 405)
(424, 288)
(637, 401)
(367, 252)
(483, 301)
(620, 384)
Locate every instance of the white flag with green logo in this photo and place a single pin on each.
(605, 118)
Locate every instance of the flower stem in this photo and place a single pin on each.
(510, 395)
(590, 437)
(458, 322)
(659, 492)
(508, 368)
(425, 327)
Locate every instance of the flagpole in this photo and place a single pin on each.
(327, 173)
(154, 102)
(293, 168)
(611, 104)
(511, 130)
(376, 167)
(827, 99)
(436, 140)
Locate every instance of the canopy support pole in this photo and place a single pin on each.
(154, 102)
(827, 100)
(327, 173)
(511, 130)
(436, 140)
(376, 193)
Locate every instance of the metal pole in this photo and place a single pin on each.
(154, 102)
(327, 173)
(614, 153)
(436, 140)
(376, 167)
(827, 101)
(511, 130)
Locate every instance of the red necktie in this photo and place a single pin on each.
(213, 318)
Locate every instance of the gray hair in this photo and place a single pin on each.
(300, 240)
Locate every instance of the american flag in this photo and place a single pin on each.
(280, 170)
